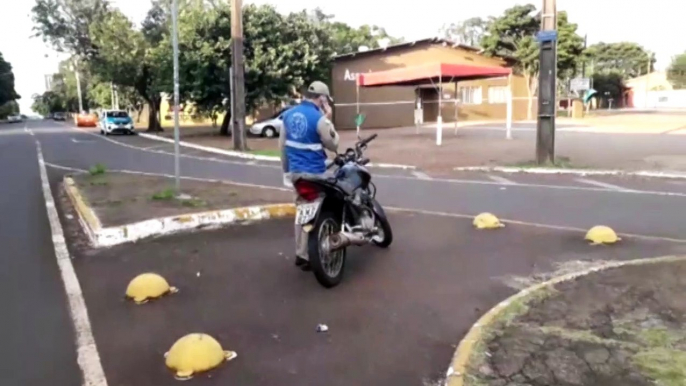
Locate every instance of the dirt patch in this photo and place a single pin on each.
(621, 327)
(122, 198)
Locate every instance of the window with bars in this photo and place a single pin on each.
(470, 95)
(497, 94)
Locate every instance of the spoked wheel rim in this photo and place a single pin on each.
(332, 262)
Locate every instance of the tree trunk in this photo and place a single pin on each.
(139, 112)
(153, 115)
(224, 129)
(532, 85)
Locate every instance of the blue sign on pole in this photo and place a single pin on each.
(546, 36)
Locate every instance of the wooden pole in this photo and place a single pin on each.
(547, 101)
(237, 60)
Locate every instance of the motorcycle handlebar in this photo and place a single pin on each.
(368, 139)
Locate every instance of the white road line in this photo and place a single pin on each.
(421, 175)
(87, 352)
(398, 177)
(603, 185)
(502, 180)
(397, 209)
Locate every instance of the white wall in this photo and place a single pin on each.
(660, 99)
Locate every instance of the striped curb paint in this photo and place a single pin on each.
(461, 359)
(100, 236)
(577, 172)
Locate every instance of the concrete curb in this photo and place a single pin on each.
(100, 236)
(465, 350)
(577, 172)
(255, 157)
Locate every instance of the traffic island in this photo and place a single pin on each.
(117, 207)
(620, 324)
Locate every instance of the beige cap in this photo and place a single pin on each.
(320, 88)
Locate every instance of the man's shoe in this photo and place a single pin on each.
(304, 264)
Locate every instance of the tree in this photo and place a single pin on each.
(65, 24)
(109, 45)
(628, 59)
(346, 39)
(610, 85)
(139, 59)
(468, 32)
(281, 54)
(676, 73)
(9, 108)
(7, 91)
(513, 35)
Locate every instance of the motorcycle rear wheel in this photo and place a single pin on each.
(328, 268)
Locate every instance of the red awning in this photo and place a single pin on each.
(430, 73)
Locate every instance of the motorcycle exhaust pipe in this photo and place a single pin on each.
(345, 239)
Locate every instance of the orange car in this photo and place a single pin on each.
(86, 120)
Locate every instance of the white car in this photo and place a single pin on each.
(14, 118)
(268, 128)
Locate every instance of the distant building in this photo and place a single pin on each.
(652, 91)
(394, 106)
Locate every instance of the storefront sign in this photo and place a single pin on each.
(352, 76)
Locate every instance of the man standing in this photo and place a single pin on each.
(307, 131)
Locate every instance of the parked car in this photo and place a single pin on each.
(59, 116)
(116, 121)
(15, 118)
(86, 120)
(270, 127)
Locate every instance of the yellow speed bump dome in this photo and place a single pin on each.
(487, 221)
(195, 353)
(148, 286)
(601, 234)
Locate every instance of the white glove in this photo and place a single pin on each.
(287, 182)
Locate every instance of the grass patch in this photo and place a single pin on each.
(97, 169)
(98, 182)
(667, 367)
(560, 163)
(164, 195)
(267, 152)
(193, 203)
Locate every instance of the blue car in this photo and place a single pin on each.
(116, 121)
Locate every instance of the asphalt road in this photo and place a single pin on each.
(646, 210)
(395, 319)
(35, 327)
(35, 320)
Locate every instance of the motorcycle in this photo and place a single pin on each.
(340, 211)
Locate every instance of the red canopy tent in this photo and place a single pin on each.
(435, 74)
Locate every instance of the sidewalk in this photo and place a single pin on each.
(594, 142)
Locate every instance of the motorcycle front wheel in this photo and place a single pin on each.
(384, 238)
(328, 267)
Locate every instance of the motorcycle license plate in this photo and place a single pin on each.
(304, 213)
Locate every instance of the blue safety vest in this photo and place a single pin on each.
(304, 149)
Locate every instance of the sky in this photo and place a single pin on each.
(656, 24)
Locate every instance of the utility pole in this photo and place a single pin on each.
(237, 61)
(175, 44)
(547, 101)
(647, 85)
(112, 105)
(75, 68)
